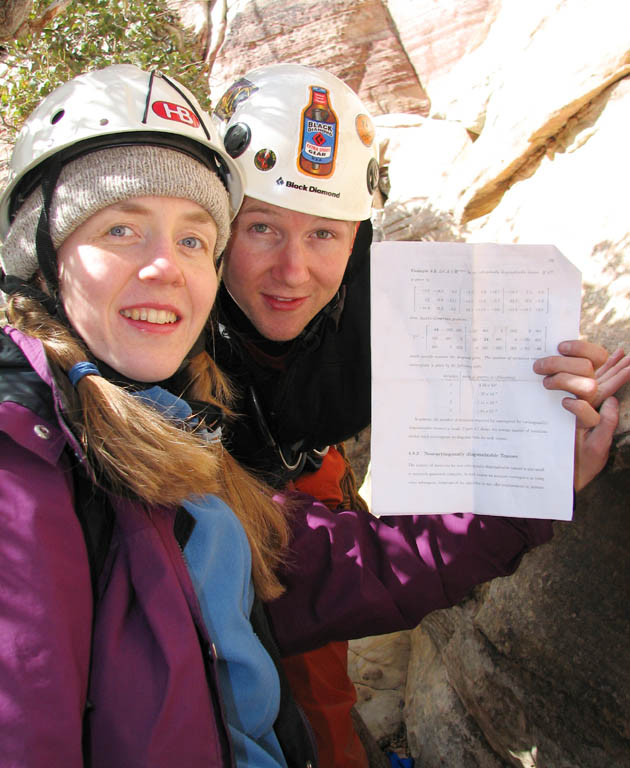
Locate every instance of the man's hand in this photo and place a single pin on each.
(587, 372)
(592, 446)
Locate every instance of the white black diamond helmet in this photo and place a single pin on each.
(302, 140)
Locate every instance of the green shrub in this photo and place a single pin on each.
(91, 34)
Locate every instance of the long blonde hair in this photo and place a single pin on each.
(133, 450)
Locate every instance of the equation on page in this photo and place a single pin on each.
(460, 422)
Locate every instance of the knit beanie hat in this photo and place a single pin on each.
(108, 176)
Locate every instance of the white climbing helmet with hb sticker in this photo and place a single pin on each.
(115, 106)
(302, 139)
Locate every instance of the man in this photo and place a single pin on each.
(289, 266)
(294, 323)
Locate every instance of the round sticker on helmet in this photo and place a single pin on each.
(265, 159)
(365, 129)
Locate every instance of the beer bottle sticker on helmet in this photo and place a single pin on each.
(318, 142)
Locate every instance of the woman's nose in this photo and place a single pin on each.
(162, 263)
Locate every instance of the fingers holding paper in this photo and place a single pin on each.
(611, 376)
(573, 370)
(586, 371)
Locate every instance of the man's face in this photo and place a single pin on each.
(282, 267)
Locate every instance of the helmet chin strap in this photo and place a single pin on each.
(46, 255)
(45, 250)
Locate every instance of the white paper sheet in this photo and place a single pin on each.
(460, 422)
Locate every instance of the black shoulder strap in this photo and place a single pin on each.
(96, 516)
(292, 728)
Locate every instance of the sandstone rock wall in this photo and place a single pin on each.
(13, 14)
(356, 41)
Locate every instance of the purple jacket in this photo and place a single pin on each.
(152, 699)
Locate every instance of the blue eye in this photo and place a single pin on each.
(120, 230)
(191, 242)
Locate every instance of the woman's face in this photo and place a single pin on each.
(138, 280)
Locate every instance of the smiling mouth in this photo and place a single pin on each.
(285, 299)
(158, 316)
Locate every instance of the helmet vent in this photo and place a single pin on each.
(57, 116)
(237, 139)
(372, 175)
(103, 121)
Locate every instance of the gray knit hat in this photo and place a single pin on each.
(108, 176)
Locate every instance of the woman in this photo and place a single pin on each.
(110, 282)
(114, 649)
